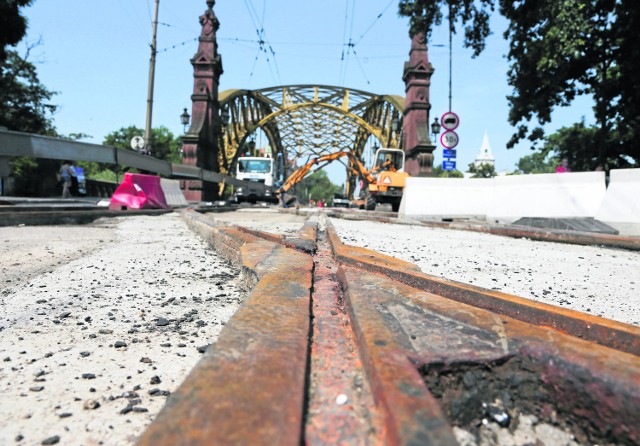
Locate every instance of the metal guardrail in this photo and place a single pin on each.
(13, 144)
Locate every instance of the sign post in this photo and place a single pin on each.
(449, 139)
(137, 143)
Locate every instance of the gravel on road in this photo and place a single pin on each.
(591, 279)
(100, 323)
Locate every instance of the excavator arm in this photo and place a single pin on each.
(355, 166)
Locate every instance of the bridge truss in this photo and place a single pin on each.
(304, 121)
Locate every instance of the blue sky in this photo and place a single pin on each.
(95, 53)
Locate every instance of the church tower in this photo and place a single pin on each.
(485, 156)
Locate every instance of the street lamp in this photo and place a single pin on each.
(224, 117)
(374, 150)
(435, 128)
(395, 124)
(184, 119)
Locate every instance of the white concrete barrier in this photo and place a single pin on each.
(621, 205)
(553, 195)
(438, 198)
(173, 193)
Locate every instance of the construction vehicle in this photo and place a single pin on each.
(259, 173)
(389, 180)
(384, 183)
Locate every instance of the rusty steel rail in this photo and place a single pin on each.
(343, 345)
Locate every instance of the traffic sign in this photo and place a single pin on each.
(449, 139)
(449, 165)
(450, 121)
(137, 143)
(449, 153)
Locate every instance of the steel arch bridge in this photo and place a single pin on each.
(303, 121)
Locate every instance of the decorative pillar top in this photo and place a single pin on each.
(209, 21)
(418, 56)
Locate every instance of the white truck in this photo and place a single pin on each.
(259, 173)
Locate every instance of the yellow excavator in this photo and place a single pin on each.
(384, 183)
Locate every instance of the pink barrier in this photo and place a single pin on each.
(138, 191)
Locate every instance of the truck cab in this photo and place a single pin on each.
(259, 172)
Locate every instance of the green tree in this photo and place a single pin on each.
(538, 162)
(165, 145)
(24, 101)
(484, 170)
(13, 25)
(316, 186)
(559, 49)
(438, 171)
(425, 15)
(25, 107)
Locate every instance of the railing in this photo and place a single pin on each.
(13, 144)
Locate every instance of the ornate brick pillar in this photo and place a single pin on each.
(415, 132)
(200, 143)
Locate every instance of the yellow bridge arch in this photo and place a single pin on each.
(302, 121)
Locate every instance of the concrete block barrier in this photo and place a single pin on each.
(551, 195)
(444, 198)
(620, 207)
(173, 193)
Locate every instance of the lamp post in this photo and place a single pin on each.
(374, 150)
(396, 128)
(395, 123)
(224, 117)
(184, 119)
(435, 129)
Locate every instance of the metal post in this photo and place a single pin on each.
(148, 137)
(450, 55)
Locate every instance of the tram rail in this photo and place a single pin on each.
(338, 344)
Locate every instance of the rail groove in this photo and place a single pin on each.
(342, 345)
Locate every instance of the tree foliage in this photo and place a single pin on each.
(316, 186)
(24, 100)
(559, 50)
(165, 145)
(425, 15)
(538, 162)
(438, 171)
(484, 170)
(13, 25)
(578, 144)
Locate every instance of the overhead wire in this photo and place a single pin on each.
(344, 37)
(263, 43)
(136, 21)
(374, 21)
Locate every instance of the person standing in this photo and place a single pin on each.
(73, 190)
(563, 167)
(65, 177)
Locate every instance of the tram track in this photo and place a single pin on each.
(349, 346)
